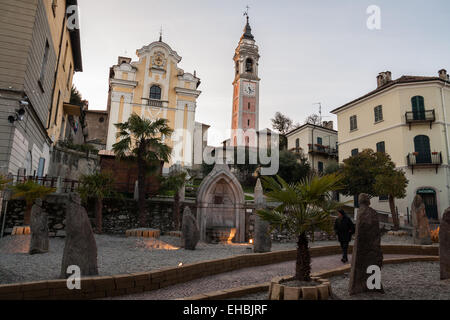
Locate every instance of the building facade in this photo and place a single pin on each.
(96, 128)
(28, 68)
(245, 114)
(408, 119)
(317, 143)
(155, 87)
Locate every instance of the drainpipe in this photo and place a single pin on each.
(446, 135)
(312, 146)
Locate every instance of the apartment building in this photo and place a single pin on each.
(317, 143)
(30, 53)
(408, 119)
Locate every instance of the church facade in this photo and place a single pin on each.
(155, 87)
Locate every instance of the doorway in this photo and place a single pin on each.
(429, 199)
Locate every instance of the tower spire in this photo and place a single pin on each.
(160, 34)
(247, 30)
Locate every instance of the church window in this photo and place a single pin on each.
(248, 123)
(155, 92)
(249, 65)
(249, 106)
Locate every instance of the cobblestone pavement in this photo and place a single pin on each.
(238, 278)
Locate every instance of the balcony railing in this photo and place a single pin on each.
(414, 117)
(323, 150)
(155, 103)
(432, 159)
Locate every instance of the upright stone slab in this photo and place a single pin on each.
(80, 248)
(444, 245)
(367, 247)
(39, 229)
(190, 230)
(421, 230)
(262, 242)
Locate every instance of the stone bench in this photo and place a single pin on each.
(143, 233)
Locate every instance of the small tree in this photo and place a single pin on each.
(305, 207)
(99, 186)
(3, 182)
(394, 185)
(282, 124)
(313, 119)
(172, 185)
(30, 191)
(141, 140)
(375, 174)
(293, 167)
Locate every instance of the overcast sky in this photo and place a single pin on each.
(311, 51)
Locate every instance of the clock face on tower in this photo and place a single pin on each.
(249, 89)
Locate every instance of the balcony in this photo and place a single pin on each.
(419, 117)
(322, 150)
(424, 160)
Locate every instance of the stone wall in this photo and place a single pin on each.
(71, 164)
(118, 215)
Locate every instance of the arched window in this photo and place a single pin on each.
(249, 65)
(155, 92)
(418, 107)
(297, 144)
(422, 148)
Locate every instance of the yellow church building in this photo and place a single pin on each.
(155, 87)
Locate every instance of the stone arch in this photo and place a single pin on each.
(220, 204)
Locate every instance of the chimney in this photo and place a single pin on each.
(383, 78)
(443, 74)
(328, 125)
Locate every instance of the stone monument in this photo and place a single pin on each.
(190, 234)
(366, 249)
(421, 227)
(262, 242)
(39, 229)
(80, 248)
(221, 207)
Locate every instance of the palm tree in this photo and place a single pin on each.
(30, 191)
(141, 140)
(303, 207)
(98, 185)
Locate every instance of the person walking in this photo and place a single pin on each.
(344, 229)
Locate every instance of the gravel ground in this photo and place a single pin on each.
(118, 255)
(406, 281)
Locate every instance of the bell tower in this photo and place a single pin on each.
(245, 116)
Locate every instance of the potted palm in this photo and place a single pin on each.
(303, 207)
(30, 191)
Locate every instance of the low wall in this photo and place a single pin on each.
(110, 286)
(118, 215)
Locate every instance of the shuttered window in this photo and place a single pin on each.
(353, 123)
(378, 113)
(381, 147)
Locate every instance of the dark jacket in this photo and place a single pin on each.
(344, 228)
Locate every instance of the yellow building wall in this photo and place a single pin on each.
(65, 68)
